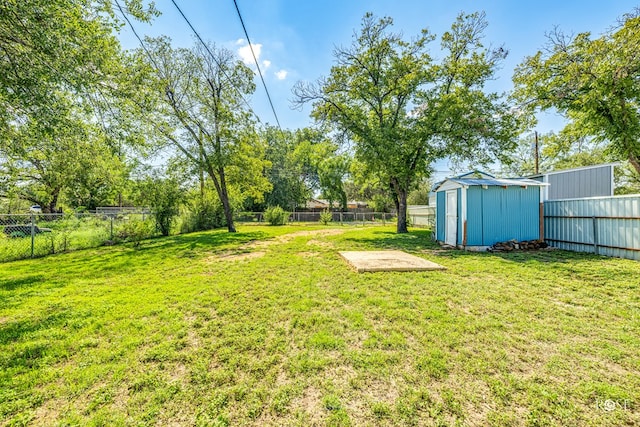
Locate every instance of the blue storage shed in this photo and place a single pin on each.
(476, 210)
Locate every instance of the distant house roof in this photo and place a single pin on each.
(318, 204)
(356, 204)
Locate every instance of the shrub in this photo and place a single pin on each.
(164, 196)
(326, 216)
(135, 231)
(275, 215)
(203, 213)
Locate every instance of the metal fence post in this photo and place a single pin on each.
(33, 234)
(595, 235)
(111, 229)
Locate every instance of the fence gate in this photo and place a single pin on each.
(603, 225)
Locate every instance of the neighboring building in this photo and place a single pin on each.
(324, 204)
(319, 204)
(354, 204)
(578, 183)
(476, 210)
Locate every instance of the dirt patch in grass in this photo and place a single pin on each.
(235, 256)
(385, 390)
(121, 398)
(286, 238)
(178, 373)
(48, 413)
(314, 242)
(433, 251)
(327, 232)
(311, 403)
(307, 254)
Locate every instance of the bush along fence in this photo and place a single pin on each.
(602, 225)
(36, 235)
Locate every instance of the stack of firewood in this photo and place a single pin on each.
(514, 245)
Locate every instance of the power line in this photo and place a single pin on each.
(216, 60)
(212, 56)
(126, 18)
(257, 64)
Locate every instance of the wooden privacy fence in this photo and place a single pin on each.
(603, 225)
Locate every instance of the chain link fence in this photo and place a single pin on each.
(367, 218)
(36, 235)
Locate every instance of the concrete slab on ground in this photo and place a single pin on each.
(369, 261)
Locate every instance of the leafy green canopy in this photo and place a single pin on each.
(198, 110)
(64, 85)
(51, 48)
(594, 82)
(404, 110)
(302, 162)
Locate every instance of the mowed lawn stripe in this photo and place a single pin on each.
(269, 326)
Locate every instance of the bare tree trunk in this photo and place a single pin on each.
(53, 204)
(400, 200)
(224, 198)
(402, 211)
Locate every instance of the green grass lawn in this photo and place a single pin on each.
(269, 326)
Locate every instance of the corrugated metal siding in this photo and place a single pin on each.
(440, 215)
(510, 213)
(609, 226)
(492, 212)
(593, 182)
(459, 234)
(474, 216)
(530, 214)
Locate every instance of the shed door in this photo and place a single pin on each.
(452, 218)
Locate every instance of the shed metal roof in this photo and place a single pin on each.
(496, 182)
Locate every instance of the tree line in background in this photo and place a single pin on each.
(81, 119)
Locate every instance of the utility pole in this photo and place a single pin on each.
(537, 155)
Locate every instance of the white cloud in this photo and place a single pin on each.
(245, 53)
(240, 41)
(282, 74)
(266, 64)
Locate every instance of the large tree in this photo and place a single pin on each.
(42, 164)
(303, 162)
(403, 110)
(201, 113)
(52, 48)
(593, 81)
(325, 167)
(64, 90)
(288, 175)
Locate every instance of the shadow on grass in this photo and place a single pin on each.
(12, 284)
(153, 252)
(529, 257)
(416, 240)
(190, 245)
(15, 331)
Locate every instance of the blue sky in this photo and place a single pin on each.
(296, 37)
